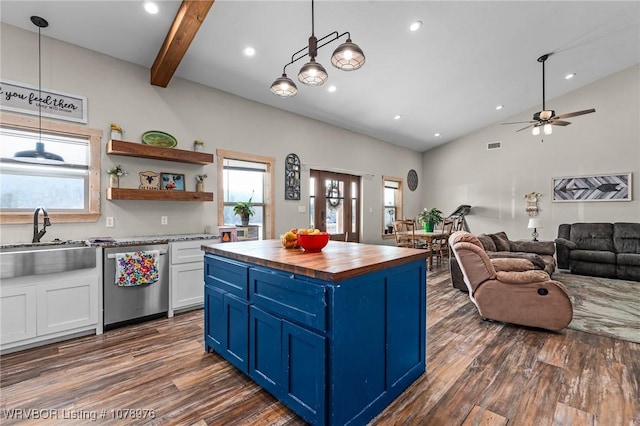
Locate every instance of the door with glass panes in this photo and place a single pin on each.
(334, 204)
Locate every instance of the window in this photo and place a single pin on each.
(70, 192)
(392, 203)
(244, 176)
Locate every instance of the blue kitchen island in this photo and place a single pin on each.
(335, 335)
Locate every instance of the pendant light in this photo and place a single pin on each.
(39, 155)
(347, 57)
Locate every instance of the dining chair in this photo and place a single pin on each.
(404, 231)
(440, 245)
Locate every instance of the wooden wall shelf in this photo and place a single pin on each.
(140, 150)
(159, 195)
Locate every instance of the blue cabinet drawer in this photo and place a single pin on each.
(293, 298)
(226, 275)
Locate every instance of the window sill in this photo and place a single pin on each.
(7, 218)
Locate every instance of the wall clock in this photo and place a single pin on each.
(412, 179)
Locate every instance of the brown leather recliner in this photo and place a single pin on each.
(508, 291)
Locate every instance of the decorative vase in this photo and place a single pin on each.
(428, 227)
(114, 181)
(199, 186)
(116, 134)
(244, 219)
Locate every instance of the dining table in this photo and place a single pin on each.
(428, 237)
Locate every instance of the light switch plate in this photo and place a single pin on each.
(302, 209)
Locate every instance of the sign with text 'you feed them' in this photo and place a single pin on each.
(26, 99)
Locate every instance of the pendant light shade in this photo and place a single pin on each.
(348, 56)
(548, 129)
(39, 155)
(312, 73)
(535, 131)
(284, 87)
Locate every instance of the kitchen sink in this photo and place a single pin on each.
(45, 258)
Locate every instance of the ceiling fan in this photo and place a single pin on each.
(547, 118)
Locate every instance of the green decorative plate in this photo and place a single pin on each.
(158, 138)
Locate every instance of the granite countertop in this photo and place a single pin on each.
(116, 242)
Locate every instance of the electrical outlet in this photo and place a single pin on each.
(163, 220)
(109, 222)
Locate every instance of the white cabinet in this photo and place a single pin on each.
(38, 309)
(17, 313)
(187, 275)
(65, 304)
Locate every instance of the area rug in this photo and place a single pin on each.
(604, 306)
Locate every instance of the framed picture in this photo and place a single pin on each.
(149, 180)
(172, 181)
(612, 187)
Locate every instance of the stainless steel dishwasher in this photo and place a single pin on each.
(128, 305)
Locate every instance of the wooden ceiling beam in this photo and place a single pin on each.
(183, 30)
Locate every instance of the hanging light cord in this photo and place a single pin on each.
(39, 84)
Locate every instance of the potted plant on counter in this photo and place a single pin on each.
(244, 209)
(430, 218)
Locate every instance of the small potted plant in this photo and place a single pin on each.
(430, 218)
(198, 145)
(116, 131)
(244, 209)
(200, 182)
(114, 176)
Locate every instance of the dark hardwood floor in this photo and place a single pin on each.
(478, 373)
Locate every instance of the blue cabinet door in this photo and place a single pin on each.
(227, 327)
(265, 362)
(214, 327)
(237, 325)
(304, 368)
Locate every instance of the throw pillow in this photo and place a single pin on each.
(487, 242)
(501, 241)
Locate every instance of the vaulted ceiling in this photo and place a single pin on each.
(447, 77)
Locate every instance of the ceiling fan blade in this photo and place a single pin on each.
(560, 123)
(520, 122)
(525, 128)
(575, 114)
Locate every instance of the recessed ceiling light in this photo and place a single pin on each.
(569, 76)
(151, 7)
(397, 117)
(499, 107)
(415, 26)
(332, 89)
(437, 135)
(249, 51)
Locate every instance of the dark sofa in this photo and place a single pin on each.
(610, 250)
(498, 246)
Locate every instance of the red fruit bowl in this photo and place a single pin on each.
(314, 242)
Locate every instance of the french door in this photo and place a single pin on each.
(334, 204)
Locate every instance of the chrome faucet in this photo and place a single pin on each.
(38, 234)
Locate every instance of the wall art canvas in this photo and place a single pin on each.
(172, 181)
(611, 187)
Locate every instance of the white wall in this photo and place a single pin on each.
(120, 92)
(495, 182)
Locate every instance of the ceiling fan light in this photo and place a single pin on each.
(284, 87)
(535, 131)
(348, 56)
(312, 74)
(548, 129)
(545, 115)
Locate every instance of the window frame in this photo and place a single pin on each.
(94, 137)
(269, 190)
(399, 201)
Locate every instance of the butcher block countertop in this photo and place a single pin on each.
(336, 262)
